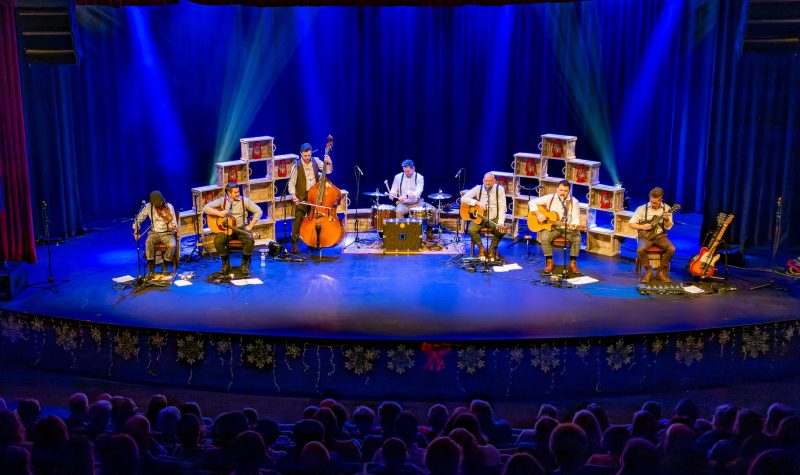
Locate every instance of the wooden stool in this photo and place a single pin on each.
(161, 248)
(560, 242)
(654, 255)
(488, 234)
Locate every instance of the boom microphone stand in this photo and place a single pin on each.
(776, 243)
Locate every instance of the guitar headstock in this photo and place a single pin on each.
(721, 217)
(674, 208)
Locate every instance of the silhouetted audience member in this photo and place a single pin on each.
(678, 452)
(99, 418)
(387, 415)
(472, 459)
(29, 412)
(249, 454)
(189, 447)
(78, 413)
(122, 409)
(15, 460)
(644, 426)
(775, 414)
(48, 455)
(640, 457)
(548, 410)
(364, 422)
(120, 456)
(537, 441)
(523, 464)
(154, 406)
(270, 432)
(774, 462)
(251, 415)
(166, 432)
(79, 456)
(315, 460)
(227, 426)
(437, 418)
(497, 431)
(570, 448)
(587, 421)
(309, 412)
(443, 457)
(614, 439)
(722, 427)
(395, 461)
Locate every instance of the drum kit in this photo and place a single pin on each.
(424, 212)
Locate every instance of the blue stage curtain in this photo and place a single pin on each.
(163, 92)
(755, 141)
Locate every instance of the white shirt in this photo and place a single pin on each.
(646, 212)
(553, 203)
(489, 201)
(403, 186)
(308, 169)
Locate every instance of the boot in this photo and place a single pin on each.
(548, 265)
(226, 265)
(246, 265)
(294, 250)
(573, 266)
(151, 267)
(493, 253)
(481, 251)
(663, 274)
(648, 274)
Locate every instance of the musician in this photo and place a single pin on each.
(236, 206)
(492, 198)
(163, 227)
(642, 222)
(299, 184)
(563, 204)
(407, 188)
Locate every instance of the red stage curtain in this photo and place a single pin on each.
(16, 222)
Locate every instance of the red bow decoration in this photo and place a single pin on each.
(435, 356)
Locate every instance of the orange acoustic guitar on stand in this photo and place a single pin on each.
(702, 264)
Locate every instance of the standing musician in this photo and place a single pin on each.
(300, 183)
(232, 205)
(407, 188)
(492, 198)
(164, 225)
(563, 204)
(642, 221)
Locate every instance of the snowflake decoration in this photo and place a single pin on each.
(657, 346)
(67, 337)
(360, 360)
(96, 334)
(126, 345)
(400, 359)
(223, 347)
(13, 329)
(190, 349)
(157, 340)
(723, 338)
(755, 343)
(517, 354)
(582, 350)
(37, 324)
(293, 351)
(689, 350)
(544, 358)
(619, 354)
(260, 354)
(788, 333)
(471, 359)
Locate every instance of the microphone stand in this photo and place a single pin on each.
(357, 172)
(564, 272)
(283, 204)
(459, 187)
(776, 242)
(198, 242)
(46, 222)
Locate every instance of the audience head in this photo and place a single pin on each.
(387, 414)
(437, 417)
(314, 459)
(15, 460)
(523, 464)
(154, 406)
(309, 412)
(138, 427)
(226, 427)
(467, 420)
(51, 434)
(363, 418)
(78, 405)
(328, 420)
(80, 456)
(686, 411)
(12, 431)
(655, 408)
(122, 409)
(748, 422)
(188, 430)
(547, 410)
(167, 420)
(443, 457)
(614, 439)
(308, 430)
(774, 462)
(640, 457)
(394, 452)
(248, 452)
(724, 418)
(599, 414)
(406, 427)
(569, 446)
(775, 414)
(192, 407)
(99, 417)
(121, 456)
(269, 430)
(588, 422)
(644, 425)
(251, 415)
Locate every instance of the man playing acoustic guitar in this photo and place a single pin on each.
(487, 209)
(547, 214)
(653, 220)
(227, 216)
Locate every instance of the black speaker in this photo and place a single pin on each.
(47, 31)
(13, 279)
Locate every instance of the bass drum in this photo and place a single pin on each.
(380, 214)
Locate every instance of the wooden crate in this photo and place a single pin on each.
(364, 216)
(281, 165)
(548, 185)
(345, 203)
(583, 172)
(530, 165)
(282, 208)
(506, 180)
(257, 148)
(449, 220)
(521, 206)
(264, 231)
(187, 220)
(622, 224)
(606, 198)
(558, 146)
(587, 216)
(202, 195)
(234, 171)
(260, 190)
(602, 241)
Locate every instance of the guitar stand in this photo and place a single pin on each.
(723, 284)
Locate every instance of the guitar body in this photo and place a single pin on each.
(218, 224)
(551, 219)
(702, 264)
(474, 213)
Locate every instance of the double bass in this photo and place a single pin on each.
(321, 226)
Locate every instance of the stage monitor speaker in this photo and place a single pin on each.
(13, 279)
(402, 235)
(47, 31)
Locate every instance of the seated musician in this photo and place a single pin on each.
(164, 225)
(650, 234)
(407, 188)
(491, 197)
(300, 183)
(232, 205)
(563, 205)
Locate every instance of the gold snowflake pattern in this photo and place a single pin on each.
(13, 329)
(755, 343)
(619, 355)
(583, 349)
(67, 337)
(96, 334)
(293, 351)
(223, 347)
(37, 324)
(516, 354)
(657, 346)
(126, 345)
(401, 359)
(724, 338)
(259, 354)
(360, 360)
(470, 359)
(545, 358)
(190, 349)
(157, 340)
(690, 350)
(788, 333)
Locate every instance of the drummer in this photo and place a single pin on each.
(407, 189)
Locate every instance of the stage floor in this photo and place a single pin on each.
(408, 297)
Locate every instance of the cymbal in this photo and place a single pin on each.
(440, 196)
(376, 193)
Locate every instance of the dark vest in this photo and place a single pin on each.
(300, 184)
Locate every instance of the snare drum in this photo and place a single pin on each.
(381, 214)
(425, 212)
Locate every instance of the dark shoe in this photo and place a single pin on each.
(294, 250)
(151, 267)
(226, 265)
(246, 265)
(548, 265)
(663, 275)
(648, 275)
(573, 267)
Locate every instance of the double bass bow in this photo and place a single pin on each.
(321, 226)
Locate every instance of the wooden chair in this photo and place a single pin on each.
(654, 255)
(161, 248)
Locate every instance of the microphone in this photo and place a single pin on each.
(359, 170)
(44, 204)
(144, 202)
(780, 201)
(458, 174)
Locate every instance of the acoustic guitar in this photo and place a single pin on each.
(654, 231)
(702, 264)
(475, 213)
(550, 220)
(227, 224)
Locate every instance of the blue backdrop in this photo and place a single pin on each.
(164, 92)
